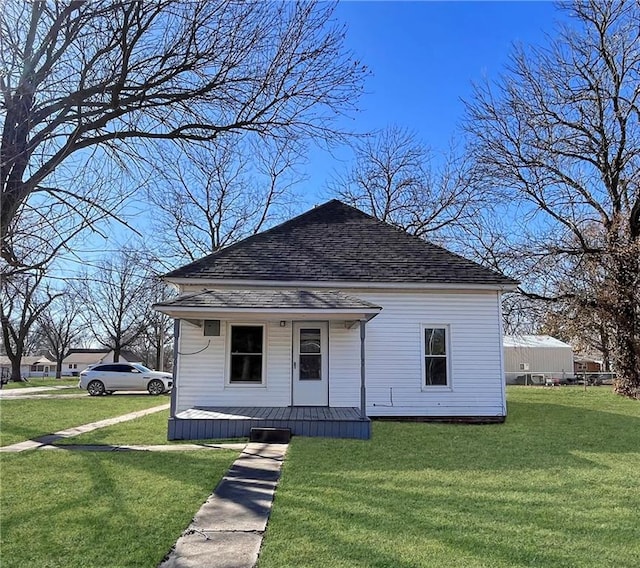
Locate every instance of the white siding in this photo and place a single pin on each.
(394, 356)
(203, 369)
(344, 364)
(393, 359)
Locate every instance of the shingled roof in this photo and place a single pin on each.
(335, 242)
(271, 299)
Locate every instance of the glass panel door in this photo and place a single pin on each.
(310, 354)
(310, 364)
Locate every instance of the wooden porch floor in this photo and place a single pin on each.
(236, 422)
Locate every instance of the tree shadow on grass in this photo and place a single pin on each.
(102, 509)
(539, 490)
(536, 436)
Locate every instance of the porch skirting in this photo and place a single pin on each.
(203, 423)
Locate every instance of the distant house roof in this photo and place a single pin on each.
(534, 341)
(338, 243)
(85, 356)
(28, 360)
(89, 356)
(130, 356)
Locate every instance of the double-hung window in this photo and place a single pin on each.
(247, 354)
(435, 353)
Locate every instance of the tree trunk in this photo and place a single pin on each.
(159, 354)
(59, 367)
(627, 369)
(15, 371)
(116, 355)
(627, 344)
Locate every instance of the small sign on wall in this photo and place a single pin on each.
(212, 328)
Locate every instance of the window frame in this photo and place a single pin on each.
(447, 356)
(248, 384)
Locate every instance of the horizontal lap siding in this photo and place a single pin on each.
(394, 355)
(344, 365)
(202, 370)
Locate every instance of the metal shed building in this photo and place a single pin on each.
(536, 359)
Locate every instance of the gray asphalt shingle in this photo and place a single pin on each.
(335, 242)
(272, 299)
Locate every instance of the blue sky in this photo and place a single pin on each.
(423, 58)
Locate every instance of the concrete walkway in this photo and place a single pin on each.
(227, 531)
(141, 448)
(37, 396)
(70, 432)
(21, 392)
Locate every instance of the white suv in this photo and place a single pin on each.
(107, 378)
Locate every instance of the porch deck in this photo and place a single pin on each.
(236, 422)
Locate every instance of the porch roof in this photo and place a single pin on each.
(295, 304)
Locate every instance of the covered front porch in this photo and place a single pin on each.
(236, 422)
(262, 359)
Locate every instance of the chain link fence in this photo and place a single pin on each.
(542, 378)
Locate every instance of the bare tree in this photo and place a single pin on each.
(23, 298)
(394, 179)
(560, 135)
(59, 324)
(116, 300)
(47, 227)
(91, 82)
(584, 329)
(219, 194)
(154, 345)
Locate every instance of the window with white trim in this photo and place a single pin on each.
(246, 360)
(436, 353)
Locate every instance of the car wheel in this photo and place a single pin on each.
(155, 387)
(95, 388)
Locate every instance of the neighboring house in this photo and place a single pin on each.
(588, 364)
(31, 366)
(536, 359)
(79, 359)
(329, 319)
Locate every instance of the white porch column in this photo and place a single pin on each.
(174, 390)
(363, 388)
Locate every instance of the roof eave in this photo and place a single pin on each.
(226, 283)
(196, 312)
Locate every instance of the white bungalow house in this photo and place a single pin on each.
(328, 320)
(79, 359)
(30, 366)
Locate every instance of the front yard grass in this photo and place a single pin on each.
(556, 485)
(147, 430)
(42, 382)
(65, 509)
(27, 419)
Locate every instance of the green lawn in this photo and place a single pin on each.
(27, 419)
(42, 382)
(100, 510)
(60, 392)
(148, 430)
(555, 486)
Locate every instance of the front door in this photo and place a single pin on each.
(310, 364)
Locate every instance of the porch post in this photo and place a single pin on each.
(363, 388)
(174, 393)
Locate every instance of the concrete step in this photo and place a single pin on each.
(270, 435)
